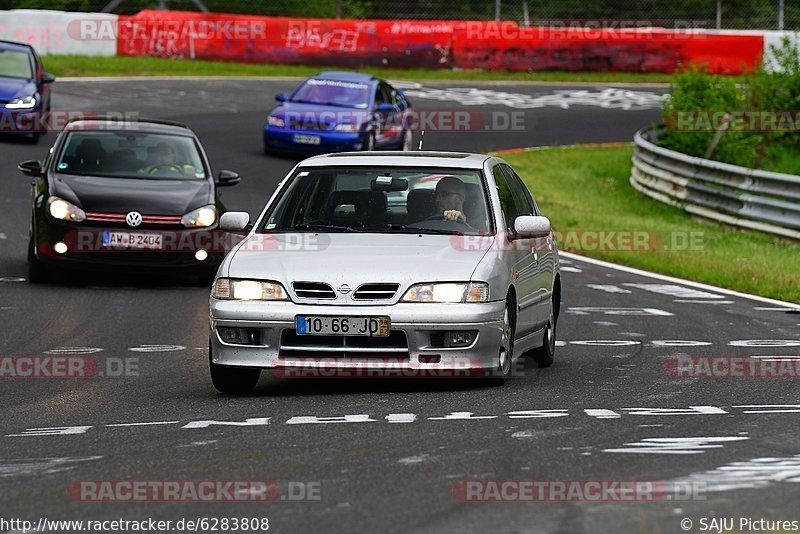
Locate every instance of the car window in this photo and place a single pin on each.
(332, 93)
(15, 64)
(381, 200)
(380, 95)
(130, 154)
(510, 205)
(521, 194)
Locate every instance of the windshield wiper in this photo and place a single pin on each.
(414, 230)
(331, 227)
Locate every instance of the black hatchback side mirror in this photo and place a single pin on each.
(227, 178)
(31, 168)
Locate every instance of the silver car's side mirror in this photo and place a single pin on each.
(234, 221)
(531, 226)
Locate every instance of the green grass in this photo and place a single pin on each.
(587, 189)
(152, 66)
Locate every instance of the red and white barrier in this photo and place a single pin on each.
(356, 43)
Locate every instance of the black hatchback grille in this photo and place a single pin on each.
(375, 292)
(313, 290)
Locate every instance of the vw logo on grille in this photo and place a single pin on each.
(344, 289)
(133, 218)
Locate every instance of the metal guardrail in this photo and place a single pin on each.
(748, 198)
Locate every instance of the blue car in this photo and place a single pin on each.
(337, 112)
(24, 90)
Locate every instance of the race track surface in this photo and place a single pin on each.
(392, 454)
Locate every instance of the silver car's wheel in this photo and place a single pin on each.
(505, 354)
(228, 379)
(544, 355)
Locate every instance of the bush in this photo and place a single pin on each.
(772, 88)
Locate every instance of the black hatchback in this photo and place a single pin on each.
(125, 195)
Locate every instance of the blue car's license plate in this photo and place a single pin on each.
(307, 139)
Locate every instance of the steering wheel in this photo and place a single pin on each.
(440, 217)
(167, 167)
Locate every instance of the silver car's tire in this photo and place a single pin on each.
(545, 354)
(228, 379)
(499, 375)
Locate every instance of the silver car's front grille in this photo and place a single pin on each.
(382, 291)
(313, 290)
(394, 346)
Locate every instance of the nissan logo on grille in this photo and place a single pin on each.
(133, 218)
(344, 289)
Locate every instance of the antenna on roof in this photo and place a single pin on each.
(422, 135)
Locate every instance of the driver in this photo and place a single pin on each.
(164, 158)
(450, 194)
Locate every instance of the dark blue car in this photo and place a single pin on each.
(339, 111)
(24, 90)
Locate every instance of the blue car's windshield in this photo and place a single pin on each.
(15, 64)
(333, 93)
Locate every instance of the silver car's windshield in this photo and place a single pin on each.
(382, 200)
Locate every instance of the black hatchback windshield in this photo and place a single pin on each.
(131, 155)
(382, 200)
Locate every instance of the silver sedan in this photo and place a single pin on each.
(413, 264)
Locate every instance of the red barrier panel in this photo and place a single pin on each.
(489, 47)
(429, 44)
(286, 41)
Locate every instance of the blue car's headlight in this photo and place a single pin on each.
(276, 121)
(347, 127)
(26, 102)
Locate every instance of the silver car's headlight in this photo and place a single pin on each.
(201, 217)
(26, 102)
(233, 289)
(66, 211)
(448, 292)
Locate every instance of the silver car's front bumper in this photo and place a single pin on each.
(275, 321)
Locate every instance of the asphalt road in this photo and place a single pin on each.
(390, 455)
